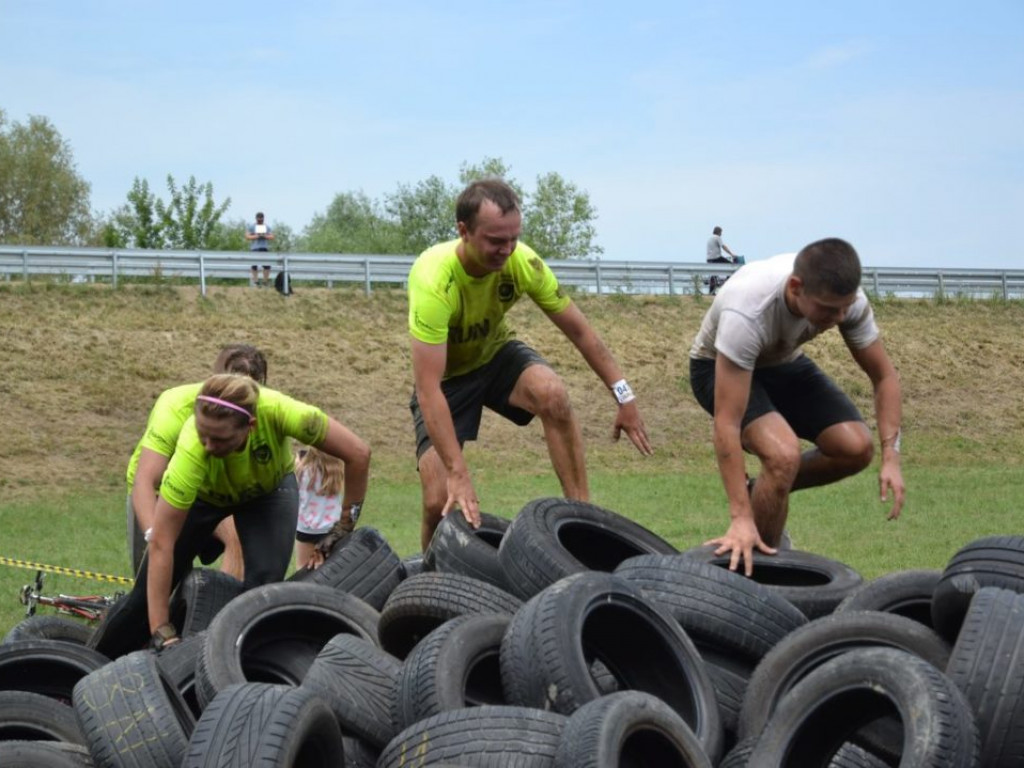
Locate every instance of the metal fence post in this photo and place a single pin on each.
(877, 290)
(1006, 289)
(366, 268)
(942, 286)
(597, 274)
(202, 274)
(287, 278)
(671, 281)
(24, 265)
(113, 269)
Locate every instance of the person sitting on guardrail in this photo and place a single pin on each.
(715, 248)
(152, 453)
(748, 371)
(233, 457)
(714, 251)
(464, 356)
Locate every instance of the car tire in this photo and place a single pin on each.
(551, 644)
(425, 601)
(273, 633)
(833, 703)
(132, 716)
(813, 583)
(553, 538)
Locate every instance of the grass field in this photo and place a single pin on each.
(83, 365)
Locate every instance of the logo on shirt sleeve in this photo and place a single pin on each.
(171, 486)
(311, 427)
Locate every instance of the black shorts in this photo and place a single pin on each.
(490, 385)
(260, 250)
(309, 538)
(799, 391)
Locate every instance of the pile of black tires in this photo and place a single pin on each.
(569, 637)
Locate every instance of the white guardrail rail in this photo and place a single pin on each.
(595, 276)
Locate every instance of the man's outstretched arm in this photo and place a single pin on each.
(732, 391)
(875, 362)
(574, 324)
(428, 364)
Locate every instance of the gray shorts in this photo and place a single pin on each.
(799, 391)
(489, 385)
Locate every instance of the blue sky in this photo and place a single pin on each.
(896, 125)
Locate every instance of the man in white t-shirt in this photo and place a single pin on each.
(748, 371)
(715, 248)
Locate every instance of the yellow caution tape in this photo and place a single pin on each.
(65, 571)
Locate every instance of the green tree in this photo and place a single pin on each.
(352, 223)
(137, 223)
(43, 200)
(489, 167)
(189, 220)
(558, 220)
(230, 236)
(190, 217)
(423, 214)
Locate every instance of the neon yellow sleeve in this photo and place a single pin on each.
(187, 469)
(430, 309)
(543, 286)
(171, 409)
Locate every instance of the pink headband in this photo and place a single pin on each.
(225, 403)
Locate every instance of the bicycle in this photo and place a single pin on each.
(88, 607)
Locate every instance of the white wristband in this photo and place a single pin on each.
(893, 441)
(148, 534)
(622, 391)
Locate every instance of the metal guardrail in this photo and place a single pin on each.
(593, 276)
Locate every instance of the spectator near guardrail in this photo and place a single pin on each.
(715, 248)
(259, 236)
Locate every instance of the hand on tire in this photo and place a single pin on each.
(165, 635)
(325, 546)
(741, 540)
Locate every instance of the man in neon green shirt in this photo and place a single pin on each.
(464, 356)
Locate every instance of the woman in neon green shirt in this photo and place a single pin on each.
(233, 457)
(153, 452)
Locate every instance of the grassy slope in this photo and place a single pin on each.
(83, 364)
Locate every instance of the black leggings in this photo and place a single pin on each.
(266, 531)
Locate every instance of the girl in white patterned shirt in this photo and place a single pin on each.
(321, 480)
